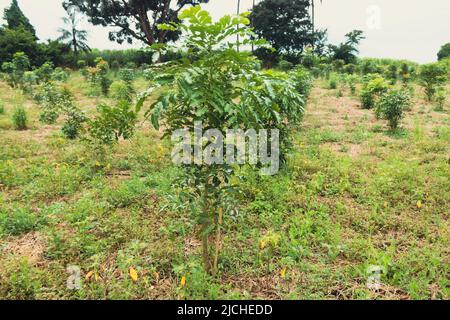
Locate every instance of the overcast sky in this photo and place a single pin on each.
(409, 29)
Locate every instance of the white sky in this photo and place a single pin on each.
(408, 29)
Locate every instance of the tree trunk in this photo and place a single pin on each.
(145, 25)
(313, 21)
(238, 12)
(74, 42)
(253, 9)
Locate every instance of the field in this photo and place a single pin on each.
(354, 196)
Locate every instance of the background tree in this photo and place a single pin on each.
(347, 50)
(17, 35)
(444, 52)
(72, 35)
(15, 19)
(286, 24)
(136, 19)
(320, 42)
(15, 40)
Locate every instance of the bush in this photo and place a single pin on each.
(73, 124)
(2, 108)
(285, 65)
(113, 123)
(392, 73)
(351, 81)
(44, 72)
(349, 68)
(81, 64)
(17, 221)
(16, 69)
(102, 76)
(19, 118)
(53, 101)
(373, 87)
(333, 83)
(302, 81)
(391, 106)
(59, 74)
(126, 75)
(120, 91)
(431, 77)
(440, 98)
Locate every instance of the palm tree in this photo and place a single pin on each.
(76, 38)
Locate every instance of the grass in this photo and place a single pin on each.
(353, 196)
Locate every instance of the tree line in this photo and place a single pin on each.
(288, 25)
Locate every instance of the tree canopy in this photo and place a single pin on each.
(444, 52)
(286, 24)
(15, 40)
(15, 19)
(347, 50)
(135, 19)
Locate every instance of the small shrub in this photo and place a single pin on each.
(392, 73)
(349, 68)
(352, 80)
(113, 123)
(102, 76)
(440, 99)
(59, 74)
(20, 281)
(2, 108)
(81, 64)
(333, 83)
(17, 221)
(391, 106)
(44, 72)
(20, 118)
(432, 76)
(302, 81)
(120, 91)
(285, 65)
(16, 69)
(73, 124)
(367, 99)
(127, 75)
(373, 87)
(53, 101)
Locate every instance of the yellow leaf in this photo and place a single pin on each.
(419, 204)
(133, 274)
(89, 275)
(183, 281)
(262, 244)
(97, 164)
(283, 273)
